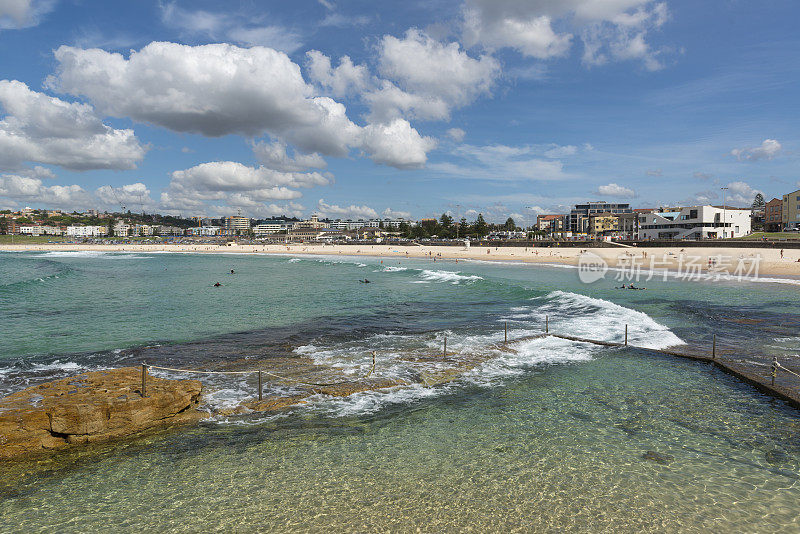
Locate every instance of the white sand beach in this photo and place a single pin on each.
(770, 261)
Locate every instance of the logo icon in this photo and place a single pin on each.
(591, 267)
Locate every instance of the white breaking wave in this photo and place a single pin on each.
(295, 260)
(581, 316)
(105, 254)
(570, 314)
(75, 254)
(454, 278)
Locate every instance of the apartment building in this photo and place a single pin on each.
(773, 215)
(37, 230)
(87, 231)
(603, 224)
(551, 223)
(236, 224)
(204, 231)
(274, 227)
(790, 211)
(579, 216)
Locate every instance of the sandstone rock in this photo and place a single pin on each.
(92, 407)
(343, 389)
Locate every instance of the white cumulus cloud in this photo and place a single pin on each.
(456, 134)
(426, 78)
(275, 156)
(16, 14)
(235, 183)
(397, 144)
(768, 149)
(544, 29)
(389, 213)
(42, 129)
(334, 211)
(615, 190)
(341, 80)
(32, 190)
(222, 89)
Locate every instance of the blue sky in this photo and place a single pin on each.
(363, 109)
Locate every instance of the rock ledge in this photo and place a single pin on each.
(92, 407)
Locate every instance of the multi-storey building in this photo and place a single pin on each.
(551, 223)
(37, 230)
(272, 227)
(580, 214)
(87, 231)
(204, 231)
(773, 215)
(603, 224)
(790, 211)
(313, 224)
(696, 222)
(236, 224)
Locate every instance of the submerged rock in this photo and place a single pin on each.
(776, 456)
(580, 415)
(92, 407)
(657, 457)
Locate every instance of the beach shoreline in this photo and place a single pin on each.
(770, 261)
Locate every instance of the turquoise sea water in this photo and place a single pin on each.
(554, 436)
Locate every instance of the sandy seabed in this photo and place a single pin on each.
(769, 261)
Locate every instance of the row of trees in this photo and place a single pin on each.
(447, 228)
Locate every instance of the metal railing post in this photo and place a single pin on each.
(774, 368)
(144, 380)
(260, 387)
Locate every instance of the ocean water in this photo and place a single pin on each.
(553, 435)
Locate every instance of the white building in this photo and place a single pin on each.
(348, 224)
(312, 224)
(121, 229)
(37, 230)
(168, 230)
(205, 231)
(506, 234)
(87, 231)
(695, 222)
(261, 230)
(143, 229)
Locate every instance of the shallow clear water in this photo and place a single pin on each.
(550, 437)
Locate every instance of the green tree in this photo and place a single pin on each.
(480, 228)
(758, 202)
(446, 220)
(510, 224)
